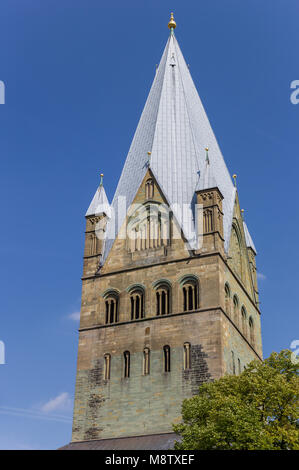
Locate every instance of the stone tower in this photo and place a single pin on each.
(169, 295)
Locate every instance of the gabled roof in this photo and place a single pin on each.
(175, 129)
(99, 204)
(248, 239)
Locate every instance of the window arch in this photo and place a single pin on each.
(111, 307)
(190, 294)
(126, 364)
(187, 356)
(107, 366)
(251, 330)
(137, 303)
(236, 309)
(236, 249)
(233, 363)
(227, 298)
(166, 352)
(244, 320)
(149, 189)
(163, 298)
(146, 361)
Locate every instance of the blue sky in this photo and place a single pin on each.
(77, 74)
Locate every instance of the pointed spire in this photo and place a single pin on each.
(99, 204)
(207, 155)
(176, 129)
(248, 239)
(206, 180)
(172, 23)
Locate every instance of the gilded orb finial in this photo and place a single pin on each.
(172, 23)
(101, 180)
(235, 179)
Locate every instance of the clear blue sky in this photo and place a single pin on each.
(77, 74)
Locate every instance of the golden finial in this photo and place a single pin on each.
(101, 181)
(172, 23)
(235, 179)
(242, 213)
(207, 149)
(149, 153)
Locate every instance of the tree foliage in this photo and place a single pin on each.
(256, 410)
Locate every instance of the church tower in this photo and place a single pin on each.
(169, 287)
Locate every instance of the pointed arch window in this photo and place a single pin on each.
(163, 298)
(107, 366)
(111, 307)
(190, 295)
(227, 298)
(244, 320)
(149, 189)
(187, 356)
(126, 364)
(166, 352)
(251, 330)
(233, 363)
(146, 361)
(137, 304)
(236, 309)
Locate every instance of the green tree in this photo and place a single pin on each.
(255, 410)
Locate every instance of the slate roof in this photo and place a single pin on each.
(99, 204)
(175, 129)
(150, 442)
(249, 241)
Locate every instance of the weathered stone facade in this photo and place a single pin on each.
(148, 404)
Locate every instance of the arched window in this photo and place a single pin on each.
(162, 299)
(187, 356)
(244, 320)
(251, 330)
(208, 220)
(92, 244)
(146, 361)
(236, 309)
(227, 298)
(236, 250)
(137, 303)
(149, 189)
(111, 307)
(126, 364)
(239, 366)
(233, 363)
(190, 295)
(166, 351)
(107, 366)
